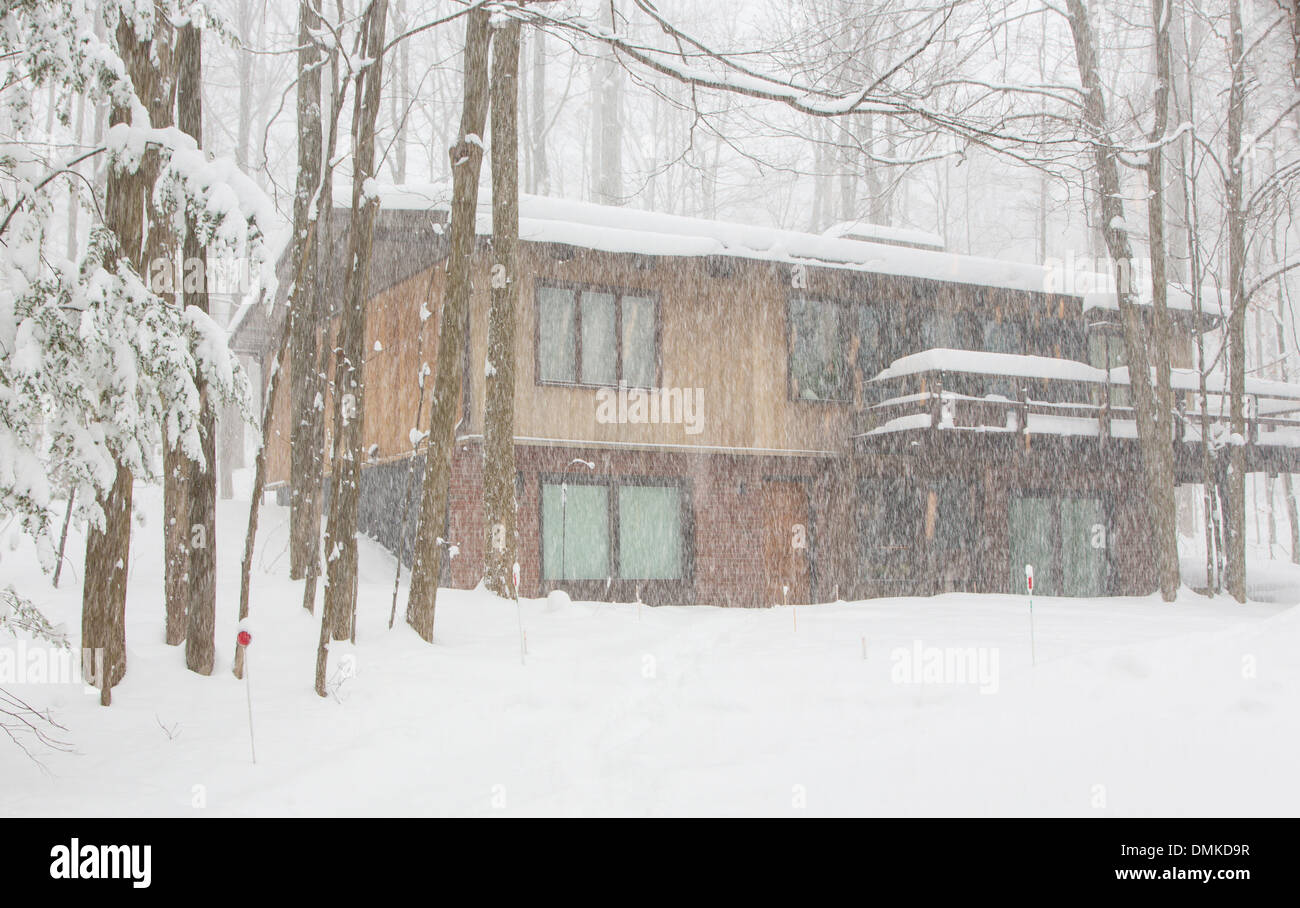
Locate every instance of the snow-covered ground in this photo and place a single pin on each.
(1135, 707)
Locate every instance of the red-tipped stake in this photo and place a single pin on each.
(1029, 582)
(243, 639)
(523, 638)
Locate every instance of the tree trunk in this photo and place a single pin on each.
(103, 592)
(401, 96)
(160, 87)
(466, 157)
(609, 141)
(1235, 543)
(108, 547)
(1154, 442)
(541, 177)
(349, 363)
(499, 406)
(304, 320)
(321, 228)
(1164, 506)
(259, 479)
(200, 623)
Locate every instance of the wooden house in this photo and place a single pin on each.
(732, 415)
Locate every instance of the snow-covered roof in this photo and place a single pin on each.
(613, 229)
(981, 363)
(978, 362)
(898, 236)
(1176, 298)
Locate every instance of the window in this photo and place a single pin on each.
(955, 523)
(1065, 538)
(579, 520)
(869, 338)
(649, 532)
(1106, 351)
(575, 544)
(889, 521)
(595, 337)
(1003, 336)
(817, 348)
(939, 330)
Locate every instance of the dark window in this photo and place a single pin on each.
(1003, 335)
(889, 522)
(1106, 351)
(939, 329)
(869, 338)
(596, 337)
(817, 350)
(955, 527)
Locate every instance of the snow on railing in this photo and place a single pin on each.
(949, 390)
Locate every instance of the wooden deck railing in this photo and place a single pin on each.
(957, 400)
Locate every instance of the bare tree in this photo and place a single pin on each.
(1154, 438)
(1164, 505)
(1235, 503)
(349, 363)
(466, 156)
(499, 405)
(305, 388)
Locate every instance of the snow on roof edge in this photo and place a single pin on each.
(609, 228)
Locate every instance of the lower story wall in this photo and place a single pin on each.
(758, 530)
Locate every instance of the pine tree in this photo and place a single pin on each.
(201, 484)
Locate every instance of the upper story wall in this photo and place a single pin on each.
(723, 334)
(723, 330)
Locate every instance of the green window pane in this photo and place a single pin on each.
(1003, 337)
(870, 353)
(599, 354)
(955, 521)
(816, 354)
(575, 532)
(940, 330)
(1032, 528)
(555, 334)
(649, 532)
(639, 341)
(1106, 351)
(1083, 547)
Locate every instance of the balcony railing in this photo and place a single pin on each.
(972, 391)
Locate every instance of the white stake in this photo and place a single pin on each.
(243, 640)
(785, 600)
(1029, 581)
(523, 639)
